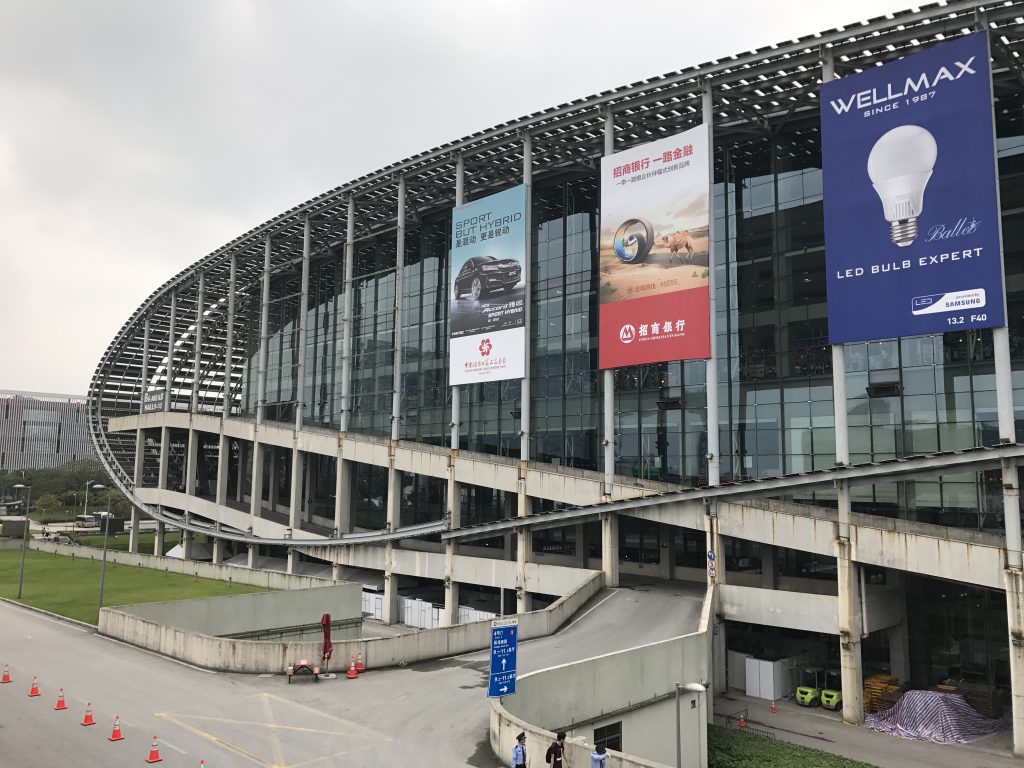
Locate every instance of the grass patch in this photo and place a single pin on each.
(119, 541)
(731, 749)
(69, 586)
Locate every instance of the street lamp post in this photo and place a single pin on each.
(103, 565)
(24, 536)
(689, 688)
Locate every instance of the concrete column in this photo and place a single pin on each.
(140, 457)
(191, 462)
(668, 551)
(274, 469)
(850, 663)
(524, 551)
(582, 546)
(229, 339)
(165, 450)
(218, 551)
(261, 380)
(293, 558)
(391, 580)
(343, 497)
(306, 491)
(256, 492)
(171, 322)
(608, 375)
(223, 468)
(1014, 581)
(197, 364)
(133, 534)
(186, 540)
(610, 548)
(453, 509)
(244, 453)
(295, 496)
(711, 367)
(158, 541)
(300, 362)
(346, 328)
(899, 651)
(768, 568)
(252, 558)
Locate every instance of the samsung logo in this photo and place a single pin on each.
(912, 85)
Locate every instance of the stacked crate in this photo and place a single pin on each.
(880, 693)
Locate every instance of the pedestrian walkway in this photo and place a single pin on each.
(821, 729)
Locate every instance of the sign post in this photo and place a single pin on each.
(504, 647)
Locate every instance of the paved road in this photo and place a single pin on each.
(428, 715)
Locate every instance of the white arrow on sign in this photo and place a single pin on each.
(504, 689)
(503, 662)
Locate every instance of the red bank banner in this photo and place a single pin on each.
(655, 252)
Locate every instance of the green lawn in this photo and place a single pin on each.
(732, 749)
(69, 586)
(120, 541)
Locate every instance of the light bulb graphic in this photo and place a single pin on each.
(900, 165)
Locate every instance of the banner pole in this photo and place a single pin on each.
(711, 366)
(609, 373)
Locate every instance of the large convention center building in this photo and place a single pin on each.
(757, 323)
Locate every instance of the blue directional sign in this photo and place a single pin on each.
(504, 645)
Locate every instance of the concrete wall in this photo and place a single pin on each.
(238, 574)
(261, 656)
(795, 610)
(586, 694)
(233, 614)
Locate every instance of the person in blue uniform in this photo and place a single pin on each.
(519, 752)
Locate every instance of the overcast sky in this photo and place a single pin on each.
(136, 136)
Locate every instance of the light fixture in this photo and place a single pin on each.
(900, 165)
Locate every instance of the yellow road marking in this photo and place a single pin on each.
(275, 742)
(215, 739)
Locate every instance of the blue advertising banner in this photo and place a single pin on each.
(912, 241)
(487, 306)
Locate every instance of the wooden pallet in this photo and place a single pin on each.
(875, 688)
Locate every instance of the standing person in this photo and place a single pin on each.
(555, 756)
(598, 758)
(519, 751)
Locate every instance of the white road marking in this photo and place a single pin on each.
(165, 743)
(44, 617)
(589, 610)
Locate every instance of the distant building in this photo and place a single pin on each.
(39, 430)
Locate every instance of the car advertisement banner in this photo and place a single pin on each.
(487, 308)
(654, 252)
(911, 209)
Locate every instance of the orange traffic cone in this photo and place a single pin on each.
(154, 753)
(359, 663)
(34, 690)
(7, 675)
(116, 735)
(87, 720)
(202, 764)
(352, 674)
(60, 701)
(742, 723)
(773, 709)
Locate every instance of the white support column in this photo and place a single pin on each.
(608, 376)
(140, 457)
(165, 453)
(275, 468)
(229, 339)
(171, 322)
(158, 540)
(223, 468)
(343, 497)
(391, 579)
(197, 364)
(300, 364)
(524, 536)
(261, 381)
(133, 534)
(218, 551)
(610, 548)
(186, 539)
(256, 492)
(346, 329)
(453, 495)
(711, 367)
(295, 495)
(252, 559)
(850, 662)
(192, 462)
